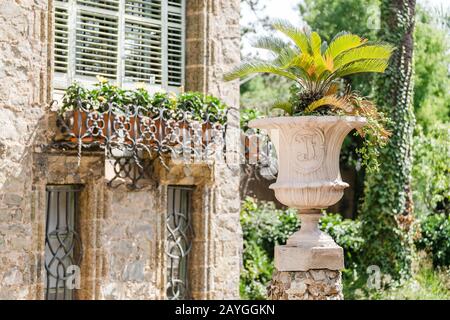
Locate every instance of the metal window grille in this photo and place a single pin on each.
(63, 250)
(179, 241)
(123, 40)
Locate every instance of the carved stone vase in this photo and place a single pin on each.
(309, 180)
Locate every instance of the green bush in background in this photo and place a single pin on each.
(431, 185)
(264, 226)
(435, 238)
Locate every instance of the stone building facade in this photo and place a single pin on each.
(123, 232)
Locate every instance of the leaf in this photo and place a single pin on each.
(249, 67)
(274, 44)
(316, 43)
(331, 100)
(375, 51)
(295, 34)
(286, 106)
(361, 66)
(286, 57)
(343, 43)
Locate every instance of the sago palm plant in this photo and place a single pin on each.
(316, 67)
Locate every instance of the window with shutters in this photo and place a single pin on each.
(125, 41)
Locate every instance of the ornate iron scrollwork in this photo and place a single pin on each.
(63, 249)
(178, 242)
(136, 133)
(260, 155)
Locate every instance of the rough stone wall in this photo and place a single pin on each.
(213, 48)
(131, 240)
(122, 231)
(23, 101)
(320, 284)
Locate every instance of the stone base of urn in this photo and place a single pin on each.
(320, 284)
(308, 266)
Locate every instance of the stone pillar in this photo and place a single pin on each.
(308, 266)
(212, 49)
(23, 103)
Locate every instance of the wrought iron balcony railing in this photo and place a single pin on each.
(133, 134)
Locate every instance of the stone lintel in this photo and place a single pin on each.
(297, 258)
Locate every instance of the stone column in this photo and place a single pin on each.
(212, 49)
(308, 266)
(24, 97)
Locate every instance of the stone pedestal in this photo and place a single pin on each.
(308, 266)
(321, 284)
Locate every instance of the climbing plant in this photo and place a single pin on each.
(387, 209)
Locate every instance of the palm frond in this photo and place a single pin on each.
(343, 43)
(286, 57)
(316, 43)
(286, 106)
(340, 33)
(303, 64)
(295, 34)
(274, 44)
(331, 100)
(361, 66)
(249, 67)
(375, 51)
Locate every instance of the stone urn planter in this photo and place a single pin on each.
(309, 180)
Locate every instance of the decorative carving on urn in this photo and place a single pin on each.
(309, 150)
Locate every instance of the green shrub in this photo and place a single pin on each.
(347, 234)
(435, 238)
(431, 187)
(264, 226)
(431, 171)
(200, 106)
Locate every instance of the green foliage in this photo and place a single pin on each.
(264, 226)
(105, 94)
(247, 115)
(425, 284)
(431, 170)
(386, 212)
(347, 234)
(435, 238)
(330, 17)
(431, 73)
(431, 185)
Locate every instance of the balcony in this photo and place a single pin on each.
(135, 128)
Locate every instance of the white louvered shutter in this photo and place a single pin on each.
(175, 41)
(61, 40)
(96, 44)
(143, 45)
(123, 40)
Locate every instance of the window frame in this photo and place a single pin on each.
(62, 230)
(185, 234)
(62, 80)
